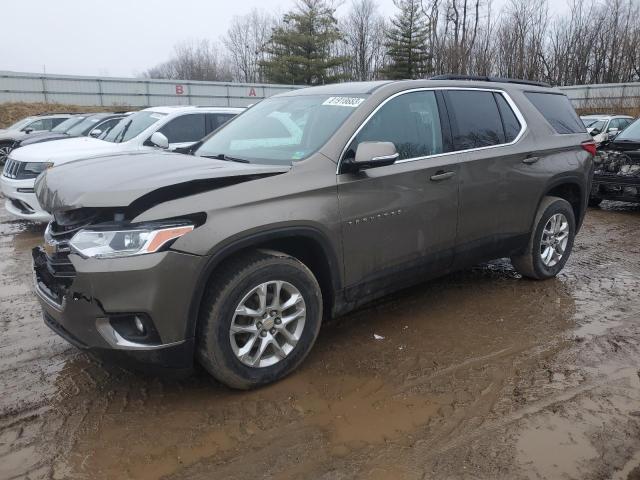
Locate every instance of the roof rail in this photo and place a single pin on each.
(482, 78)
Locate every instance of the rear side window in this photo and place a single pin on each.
(411, 121)
(476, 120)
(510, 122)
(558, 111)
(186, 128)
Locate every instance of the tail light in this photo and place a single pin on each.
(589, 146)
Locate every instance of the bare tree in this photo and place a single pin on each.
(363, 29)
(245, 42)
(196, 60)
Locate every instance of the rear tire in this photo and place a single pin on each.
(551, 241)
(225, 336)
(5, 150)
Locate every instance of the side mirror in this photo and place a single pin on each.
(28, 130)
(159, 140)
(95, 133)
(375, 154)
(594, 132)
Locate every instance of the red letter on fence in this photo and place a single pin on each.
(252, 92)
(179, 89)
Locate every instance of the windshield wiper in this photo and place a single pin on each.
(124, 132)
(222, 156)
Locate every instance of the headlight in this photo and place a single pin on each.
(37, 168)
(106, 243)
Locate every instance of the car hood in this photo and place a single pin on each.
(42, 137)
(11, 134)
(120, 180)
(69, 149)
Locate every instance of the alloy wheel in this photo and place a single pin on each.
(267, 323)
(555, 238)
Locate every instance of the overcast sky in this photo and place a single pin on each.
(118, 37)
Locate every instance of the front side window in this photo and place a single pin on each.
(410, 121)
(132, 126)
(105, 126)
(558, 111)
(185, 128)
(281, 130)
(39, 125)
(475, 119)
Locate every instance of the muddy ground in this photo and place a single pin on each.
(478, 375)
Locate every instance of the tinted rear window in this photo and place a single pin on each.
(509, 120)
(476, 119)
(558, 111)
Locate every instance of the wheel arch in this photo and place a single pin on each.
(571, 189)
(307, 244)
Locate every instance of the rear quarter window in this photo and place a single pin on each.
(558, 111)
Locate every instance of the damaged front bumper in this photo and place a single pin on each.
(94, 303)
(616, 177)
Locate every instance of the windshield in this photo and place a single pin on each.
(132, 126)
(632, 132)
(281, 130)
(588, 122)
(86, 125)
(67, 124)
(21, 123)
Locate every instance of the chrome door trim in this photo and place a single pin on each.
(512, 104)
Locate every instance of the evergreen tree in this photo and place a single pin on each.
(300, 49)
(407, 41)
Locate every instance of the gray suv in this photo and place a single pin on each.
(302, 208)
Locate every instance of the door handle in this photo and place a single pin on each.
(440, 176)
(530, 160)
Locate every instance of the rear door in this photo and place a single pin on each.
(499, 177)
(399, 221)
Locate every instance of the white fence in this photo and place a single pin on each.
(108, 91)
(605, 95)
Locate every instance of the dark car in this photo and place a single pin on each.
(92, 124)
(617, 168)
(305, 206)
(27, 126)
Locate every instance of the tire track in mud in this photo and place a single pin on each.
(470, 365)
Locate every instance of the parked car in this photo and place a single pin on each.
(88, 124)
(309, 204)
(617, 168)
(158, 127)
(19, 130)
(604, 128)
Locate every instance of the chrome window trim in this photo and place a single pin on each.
(507, 97)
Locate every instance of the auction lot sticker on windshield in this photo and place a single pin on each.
(352, 102)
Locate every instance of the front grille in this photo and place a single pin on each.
(11, 168)
(18, 170)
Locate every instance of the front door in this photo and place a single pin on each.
(399, 221)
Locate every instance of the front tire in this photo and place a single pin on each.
(551, 241)
(259, 319)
